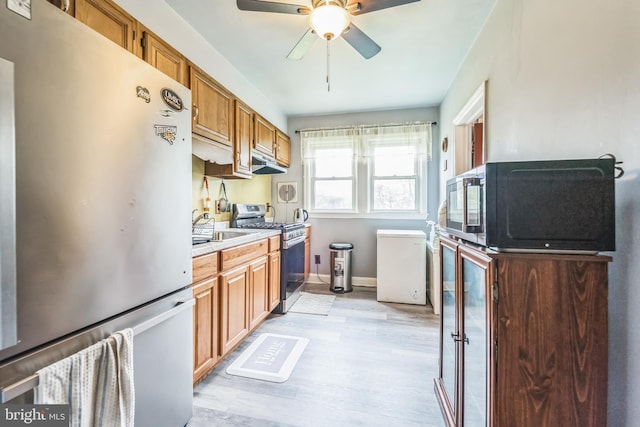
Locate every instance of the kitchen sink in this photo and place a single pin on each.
(218, 236)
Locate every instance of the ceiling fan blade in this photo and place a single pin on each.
(361, 42)
(303, 45)
(366, 6)
(270, 6)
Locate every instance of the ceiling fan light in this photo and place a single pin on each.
(329, 21)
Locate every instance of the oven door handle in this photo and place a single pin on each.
(286, 244)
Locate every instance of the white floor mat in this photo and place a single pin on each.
(270, 357)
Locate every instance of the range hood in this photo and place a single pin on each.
(263, 166)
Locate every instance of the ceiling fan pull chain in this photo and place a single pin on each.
(328, 70)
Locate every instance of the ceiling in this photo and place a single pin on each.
(423, 45)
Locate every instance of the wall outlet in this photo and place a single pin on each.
(317, 259)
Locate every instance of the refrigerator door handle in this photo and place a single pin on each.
(177, 309)
(23, 385)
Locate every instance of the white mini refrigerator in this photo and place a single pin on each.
(402, 258)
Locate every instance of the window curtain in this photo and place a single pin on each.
(315, 139)
(363, 139)
(415, 137)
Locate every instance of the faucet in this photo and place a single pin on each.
(204, 215)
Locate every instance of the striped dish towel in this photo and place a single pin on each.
(96, 381)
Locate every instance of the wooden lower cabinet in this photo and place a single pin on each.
(259, 292)
(235, 307)
(205, 319)
(235, 290)
(274, 279)
(523, 338)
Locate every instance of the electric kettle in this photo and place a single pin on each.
(300, 215)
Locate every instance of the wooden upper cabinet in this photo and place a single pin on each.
(265, 136)
(212, 108)
(68, 6)
(163, 56)
(243, 138)
(283, 149)
(109, 20)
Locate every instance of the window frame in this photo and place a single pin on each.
(363, 181)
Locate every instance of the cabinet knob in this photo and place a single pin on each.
(196, 111)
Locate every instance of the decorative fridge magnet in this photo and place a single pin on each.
(171, 99)
(21, 7)
(143, 92)
(167, 132)
(445, 144)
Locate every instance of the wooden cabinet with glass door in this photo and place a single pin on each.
(523, 338)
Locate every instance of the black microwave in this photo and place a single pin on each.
(535, 206)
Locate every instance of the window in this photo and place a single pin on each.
(366, 169)
(331, 170)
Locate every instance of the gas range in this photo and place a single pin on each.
(292, 249)
(253, 216)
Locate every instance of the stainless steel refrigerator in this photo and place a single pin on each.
(95, 172)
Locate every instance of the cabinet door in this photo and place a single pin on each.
(449, 332)
(243, 138)
(551, 334)
(205, 327)
(265, 136)
(234, 307)
(212, 108)
(109, 20)
(259, 295)
(283, 149)
(163, 57)
(474, 272)
(274, 280)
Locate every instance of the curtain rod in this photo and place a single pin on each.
(368, 126)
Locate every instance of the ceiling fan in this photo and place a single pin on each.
(328, 20)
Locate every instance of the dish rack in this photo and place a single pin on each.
(203, 230)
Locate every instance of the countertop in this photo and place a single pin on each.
(251, 236)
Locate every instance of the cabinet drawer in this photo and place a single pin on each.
(274, 243)
(205, 266)
(239, 255)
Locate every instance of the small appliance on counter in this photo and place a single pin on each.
(300, 215)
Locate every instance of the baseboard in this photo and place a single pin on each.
(366, 282)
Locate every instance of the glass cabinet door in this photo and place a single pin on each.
(449, 326)
(474, 343)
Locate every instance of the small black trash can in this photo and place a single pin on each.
(340, 254)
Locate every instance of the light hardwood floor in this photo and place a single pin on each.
(367, 364)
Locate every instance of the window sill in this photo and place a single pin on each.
(376, 215)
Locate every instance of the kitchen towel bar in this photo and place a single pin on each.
(23, 385)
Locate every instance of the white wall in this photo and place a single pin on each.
(360, 232)
(160, 18)
(564, 82)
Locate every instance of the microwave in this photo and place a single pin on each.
(562, 206)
